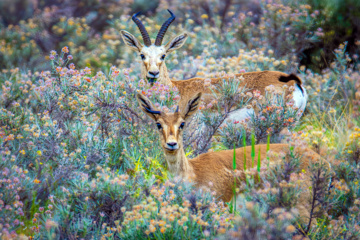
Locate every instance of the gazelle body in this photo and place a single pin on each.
(251, 80)
(154, 69)
(212, 170)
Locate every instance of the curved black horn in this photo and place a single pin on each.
(142, 29)
(163, 29)
(152, 111)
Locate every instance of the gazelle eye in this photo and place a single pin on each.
(163, 57)
(159, 126)
(142, 56)
(182, 125)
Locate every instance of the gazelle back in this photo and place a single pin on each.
(154, 69)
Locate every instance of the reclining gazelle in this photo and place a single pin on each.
(153, 68)
(212, 170)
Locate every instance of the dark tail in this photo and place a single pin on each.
(290, 77)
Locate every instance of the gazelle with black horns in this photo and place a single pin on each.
(213, 170)
(153, 55)
(154, 69)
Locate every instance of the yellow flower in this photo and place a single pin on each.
(39, 153)
(71, 22)
(37, 180)
(290, 229)
(65, 49)
(204, 16)
(230, 14)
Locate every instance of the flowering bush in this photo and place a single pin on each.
(79, 160)
(13, 182)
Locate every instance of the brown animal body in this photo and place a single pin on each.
(154, 69)
(251, 81)
(213, 169)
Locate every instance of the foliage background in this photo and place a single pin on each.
(78, 160)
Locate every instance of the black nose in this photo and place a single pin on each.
(154, 73)
(172, 144)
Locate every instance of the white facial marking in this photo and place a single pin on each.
(153, 60)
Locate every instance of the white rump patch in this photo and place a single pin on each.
(300, 97)
(240, 114)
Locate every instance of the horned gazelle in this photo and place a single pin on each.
(213, 170)
(154, 69)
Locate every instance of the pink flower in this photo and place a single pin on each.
(177, 97)
(141, 83)
(87, 70)
(126, 72)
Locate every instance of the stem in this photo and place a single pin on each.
(314, 190)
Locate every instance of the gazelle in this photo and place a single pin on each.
(213, 170)
(154, 69)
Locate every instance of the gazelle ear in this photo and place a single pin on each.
(192, 106)
(176, 43)
(147, 107)
(131, 41)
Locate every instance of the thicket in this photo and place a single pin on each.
(79, 160)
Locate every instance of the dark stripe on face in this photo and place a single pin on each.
(172, 132)
(164, 134)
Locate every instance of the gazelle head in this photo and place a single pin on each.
(153, 55)
(170, 125)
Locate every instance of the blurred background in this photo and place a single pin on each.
(307, 30)
(77, 159)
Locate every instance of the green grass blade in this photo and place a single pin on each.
(252, 149)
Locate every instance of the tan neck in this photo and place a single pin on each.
(178, 164)
(163, 77)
